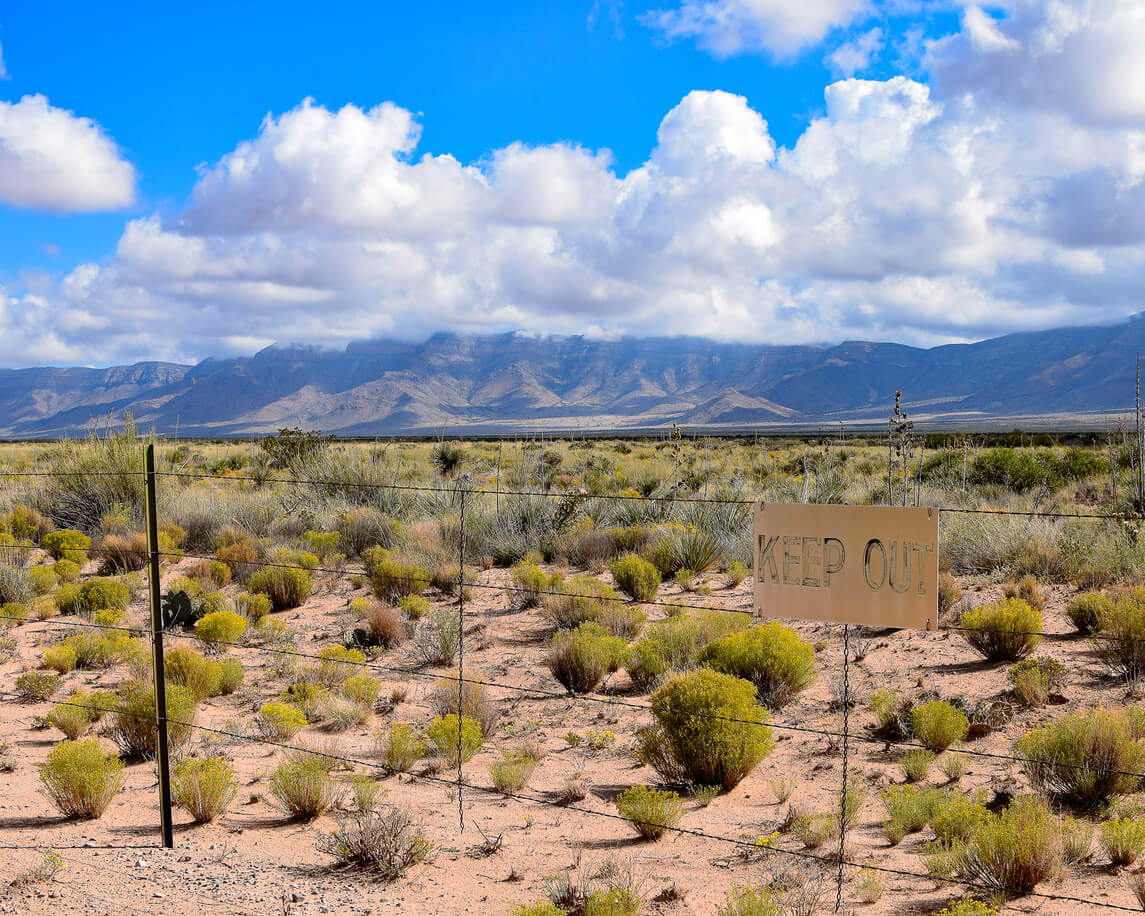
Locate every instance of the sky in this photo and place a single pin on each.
(178, 182)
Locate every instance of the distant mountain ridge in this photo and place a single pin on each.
(517, 382)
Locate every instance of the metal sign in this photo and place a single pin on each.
(871, 565)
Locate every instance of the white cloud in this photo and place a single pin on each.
(855, 55)
(906, 211)
(1078, 57)
(50, 159)
(781, 28)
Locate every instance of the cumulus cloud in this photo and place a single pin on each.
(856, 55)
(50, 159)
(923, 212)
(778, 27)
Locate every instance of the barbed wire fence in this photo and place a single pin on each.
(462, 497)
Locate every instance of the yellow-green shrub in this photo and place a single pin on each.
(66, 571)
(220, 628)
(66, 544)
(580, 658)
(185, 667)
(42, 579)
(1120, 637)
(650, 811)
(1085, 610)
(635, 577)
(773, 657)
(394, 575)
(709, 730)
(61, 657)
(1004, 630)
(1012, 852)
(285, 587)
(70, 717)
(1083, 758)
(443, 735)
(938, 724)
(35, 686)
(133, 727)
(231, 670)
(253, 607)
(401, 748)
(203, 787)
(281, 721)
(81, 778)
(302, 784)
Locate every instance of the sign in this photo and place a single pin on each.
(870, 565)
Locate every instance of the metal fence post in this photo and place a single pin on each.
(843, 806)
(162, 751)
(460, 656)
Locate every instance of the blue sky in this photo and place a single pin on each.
(748, 169)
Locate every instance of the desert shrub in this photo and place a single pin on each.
(530, 583)
(415, 606)
(185, 667)
(93, 651)
(1012, 852)
(362, 689)
(1123, 839)
(909, 809)
(220, 628)
(339, 712)
(650, 811)
(101, 592)
(132, 725)
(210, 574)
(65, 544)
(753, 901)
(513, 771)
(709, 730)
(771, 656)
(81, 778)
(735, 574)
(337, 664)
(66, 570)
(953, 765)
(401, 748)
(15, 585)
(281, 721)
(44, 607)
(1034, 679)
(118, 554)
(66, 597)
(581, 598)
(394, 575)
(442, 733)
(386, 844)
(613, 901)
(324, 544)
(26, 524)
(692, 548)
(253, 607)
(437, 638)
(1085, 610)
(1120, 637)
(968, 906)
(302, 785)
(204, 788)
(304, 693)
(1083, 758)
(382, 625)
(540, 908)
(916, 764)
(636, 577)
(938, 724)
(363, 528)
(36, 686)
(579, 659)
(955, 816)
(949, 594)
(670, 645)
(231, 671)
(1027, 590)
(61, 657)
(70, 717)
(1077, 840)
(240, 557)
(285, 587)
(42, 579)
(475, 703)
(1002, 631)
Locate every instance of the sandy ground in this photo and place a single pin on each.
(256, 861)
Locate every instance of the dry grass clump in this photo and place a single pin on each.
(400, 748)
(437, 638)
(132, 725)
(118, 554)
(1120, 637)
(386, 844)
(81, 778)
(1027, 590)
(1085, 611)
(1034, 679)
(513, 771)
(383, 625)
(285, 587)
(1123, 839)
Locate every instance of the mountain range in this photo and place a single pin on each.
(518, 383)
